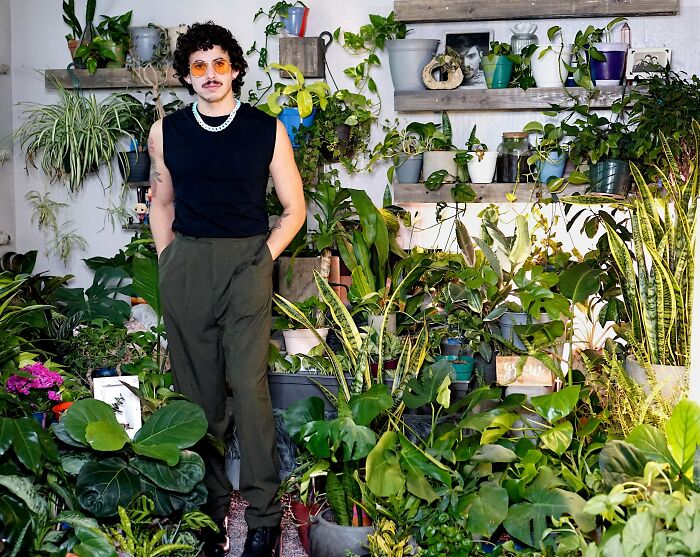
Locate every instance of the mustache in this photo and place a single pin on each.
(212, 82)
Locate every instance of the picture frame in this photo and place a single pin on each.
(642, 61)
(471, 45)
(113, 391)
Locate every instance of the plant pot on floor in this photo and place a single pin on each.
(302, 514)
(610, 177)
(408, 170)
(293, 122)
(440, 160)
(552, 167)
(462, 365)
(549, 63)
(482, 168)
(610, 71)
(301, 341)
(288, 388)
(331, 540)
(671, 380)
(497, 71)
(407, 58)
(139, 166)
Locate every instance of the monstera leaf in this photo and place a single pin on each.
(432, 385)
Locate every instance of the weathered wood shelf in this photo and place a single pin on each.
(535, 98)
(119, 78)
(485, 193)
(134, 226)
(485, 10)
(137, 184)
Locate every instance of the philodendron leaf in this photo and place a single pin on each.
(653, 444)
(106, 436)
(103, 486)
(580, 282)
(494, 453)
(683, 434)
(555, 406)
(426, 388)
(384, 475)
(497, 428)
(93, 543)
(180, 423)
(84, 412)
(181, 478)
(301, 413)
(558, 438)
(487, 510)
(369, 404)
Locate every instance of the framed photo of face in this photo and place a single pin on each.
(642, 62)
(471, 45)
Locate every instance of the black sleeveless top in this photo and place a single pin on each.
(219, 178)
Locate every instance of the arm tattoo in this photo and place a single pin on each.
(278, 224)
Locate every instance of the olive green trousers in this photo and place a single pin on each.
(216, 297)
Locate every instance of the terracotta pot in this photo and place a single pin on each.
(60, 408)
(302, 515)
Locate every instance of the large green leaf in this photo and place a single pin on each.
(25, 489)
(103, 486)
(145, 271)
(494, 453)
(555, 406)
(7, 430)
(580, 282)
(683, 434)
(621, 462)
(301, 413)
(26, 443)
(169, 502)
(180, 423)
(652, 443)
(167, 452)
(181, 478)
(355, 440)
(486, 510)
(369, 404)
(384, 474)
(497, 428)
(558, 438)
(425, 388)
(84, 412)
(106, 436)
(418, 467)
(93, 543)
(14, 517)
(59, 430)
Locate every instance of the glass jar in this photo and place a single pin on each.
(511, 164)
(520, 40)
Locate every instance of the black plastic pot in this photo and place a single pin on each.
(610, 177)
(139, 166)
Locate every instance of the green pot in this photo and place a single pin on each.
(463, 366)
(610, 177)
(497, 71)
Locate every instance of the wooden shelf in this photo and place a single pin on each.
(535, 98)
(120, 78)
(137, 184)
(485, 193)
(487, 10)
(134, 226)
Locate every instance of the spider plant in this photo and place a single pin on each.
(72, 138)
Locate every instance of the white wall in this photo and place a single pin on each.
(7, 203)
(38, 18)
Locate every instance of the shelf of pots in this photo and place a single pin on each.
(483, 10)
(106, 78)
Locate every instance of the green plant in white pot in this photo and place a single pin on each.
(440, 152)
(300, 340)
(479, 161)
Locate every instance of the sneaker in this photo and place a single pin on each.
(265, 541)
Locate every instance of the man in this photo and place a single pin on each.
(209, 169)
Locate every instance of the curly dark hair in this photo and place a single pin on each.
(203, 36)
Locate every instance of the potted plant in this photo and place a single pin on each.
(479, 161)
(72, 138)
(294, 104)
(300, 340)
(146, 42)
(293, 17)
(439, 150)
(115, 32)
(606, 146)
(96, 54)
(498, 65)
(76, 29)
(550, 153)
(450, 67)
(550, 63)
(405, 146)
(36, 385)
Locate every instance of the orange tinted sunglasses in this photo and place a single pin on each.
(220, 65)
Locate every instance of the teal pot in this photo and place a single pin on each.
(552, 167)
(331, 540)
(144, 42)
(463, 366)
(408, 170)
(497, 71)
(293, 122)
(610, 177)
(407, 58)
(139, 166)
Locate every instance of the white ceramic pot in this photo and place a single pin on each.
(301, 341)
(440, 160)
(671, 380)
(549, 65)
(376, 321)
(481, 171)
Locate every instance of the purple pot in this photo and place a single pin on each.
(611, 71)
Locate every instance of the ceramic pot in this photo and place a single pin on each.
(409, 168)
(119, 54)
(440, 160)
(463, 366)
(669, 379)
(294, 22)
(552, 167)
(610, 71)
(610, 177)
(407, 58)
(302, 516)
(481, 171)
(139, 166)
(548, 65)
(293, 122)
(301, 341)
(144, 41)
(60, 408)
(42, 418)
(331, 540)
(497, 71)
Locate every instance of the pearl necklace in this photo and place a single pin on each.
(218, 128)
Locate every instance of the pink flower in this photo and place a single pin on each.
(53, 395)
(39, 387)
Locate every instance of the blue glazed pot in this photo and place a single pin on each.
(42, 418)
(293, 122)
(293, 23)
(553, 167)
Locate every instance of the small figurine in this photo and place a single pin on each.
(141, 210)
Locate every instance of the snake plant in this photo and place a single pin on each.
(656, 271)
